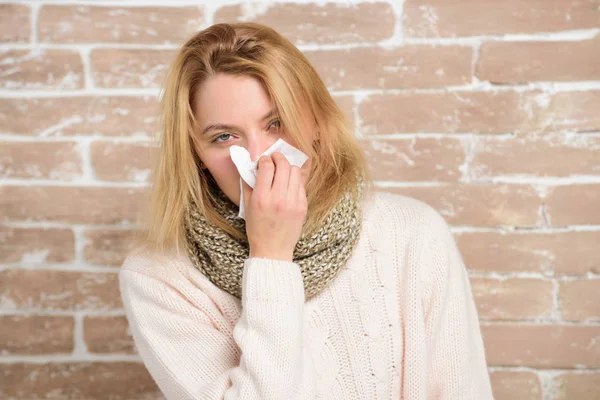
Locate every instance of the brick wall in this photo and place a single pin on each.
(488, 110)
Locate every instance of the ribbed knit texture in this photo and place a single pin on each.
(399, 322)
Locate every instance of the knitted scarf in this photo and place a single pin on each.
(321, 256)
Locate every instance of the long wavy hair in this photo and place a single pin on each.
(290, 81)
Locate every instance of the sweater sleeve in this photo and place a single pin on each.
(189, 358)
(455, 351)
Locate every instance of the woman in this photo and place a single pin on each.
(327, 289)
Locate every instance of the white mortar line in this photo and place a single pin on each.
(62, 313)
(88, 78)
(35, 9)
(75, 183)
(80, 348)
(68, 358)
(398, 34)
(516, 179)
(138, 139)
(538, 322)
(92, 92)
(552, 87)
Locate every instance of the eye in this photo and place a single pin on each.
(277, 124)
(216, 140)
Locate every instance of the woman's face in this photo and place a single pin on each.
(236, 110)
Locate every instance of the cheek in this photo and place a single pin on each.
(225, 174)
(221, 166)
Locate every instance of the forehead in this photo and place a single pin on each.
(230, 99)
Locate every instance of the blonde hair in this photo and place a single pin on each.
(260, 52)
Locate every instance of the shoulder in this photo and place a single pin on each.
(419, 229)
(400, 212)
(407, 231)
(163, 266)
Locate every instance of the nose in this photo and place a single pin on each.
(256, 144)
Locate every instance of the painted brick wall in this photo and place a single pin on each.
(488, 110)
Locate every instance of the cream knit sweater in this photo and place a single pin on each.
(398, 322)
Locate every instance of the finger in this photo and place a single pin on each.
(264, 177)
(282, 175)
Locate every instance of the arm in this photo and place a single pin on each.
(191, 359)
(455, 351)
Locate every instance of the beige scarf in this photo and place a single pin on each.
(220, 257)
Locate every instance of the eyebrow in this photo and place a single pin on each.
(213, 127)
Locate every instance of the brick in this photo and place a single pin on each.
(576, 385)
(41, 69)
(108, 335)
(580, 299)
(573, 205)
(447, 112)
(400, 67)
(441, 18)
(86, 380)
(479, 204)
(330, 23)
(576, 253)
(346, 104)
(85, 115)
(35, 334)
(108, 247)
(414, 159)
(28, 289)
(40, 160)
(143, 25)
(542, 346)
(80, 205)
(572, 112)
(522, 385)
(512, 299)
(36, 245)
(520, 62)
(572, 253)
(554, 155)
(130, 68)
(15, 24)
(123, 161)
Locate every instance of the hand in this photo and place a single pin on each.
(275, 209)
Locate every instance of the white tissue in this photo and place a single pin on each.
(248, 168)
